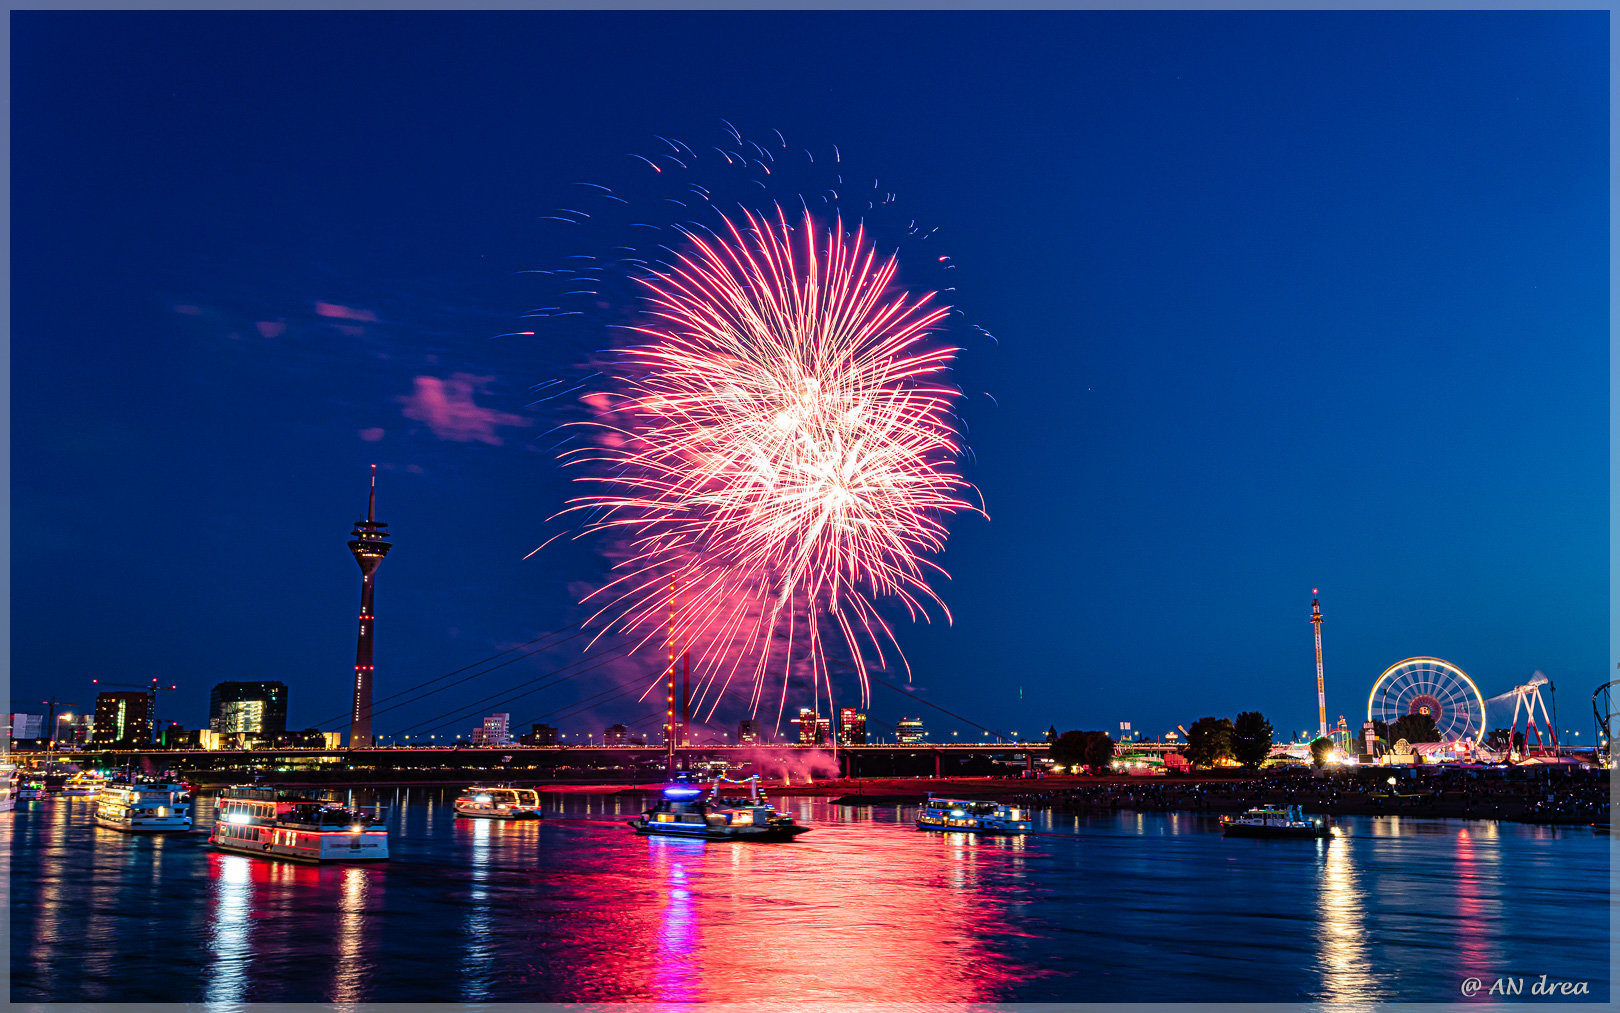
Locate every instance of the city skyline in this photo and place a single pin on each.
(1281, 302)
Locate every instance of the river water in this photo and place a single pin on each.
(1112, 908)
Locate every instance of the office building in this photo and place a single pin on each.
(749, 731)
(851, 727)
(909, 731)
(123, 720)
(814, 730)
(496, 731)
(248, 708)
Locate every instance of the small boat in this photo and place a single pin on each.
(980, 817)
(307, 825)
(500, 803)
(85, 782)
(30, 787)
(1275, 821)
(683, 811)
(145, 808)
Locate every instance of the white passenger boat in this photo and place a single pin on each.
(683, 811)
(307, 825)
(1276, 821)
(971, 817)
(499, 803)
(85, 782)
(144, 808)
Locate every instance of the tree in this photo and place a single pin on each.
(1415, 728)
(1321, 749)
(1069, 749)
(1091, 749)
(1251, 739)
(1208, 740)
(1099, 751)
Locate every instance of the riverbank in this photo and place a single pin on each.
(1554, 796)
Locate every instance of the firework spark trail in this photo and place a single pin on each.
(778, 444)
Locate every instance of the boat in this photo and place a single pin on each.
(307, 825)
(145, 808)
(8, 787)
(85, 782)
(971, 817)
(30, 786)
(683, 810)
(499, 803)
(1276, 821)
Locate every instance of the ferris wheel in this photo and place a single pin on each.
(1433, 687)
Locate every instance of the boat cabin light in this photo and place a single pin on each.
(682, 792)
(482, 800)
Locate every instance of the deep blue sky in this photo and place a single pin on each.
(1283, 301)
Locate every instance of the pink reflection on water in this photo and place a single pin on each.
(800, 919)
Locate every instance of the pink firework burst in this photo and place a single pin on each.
(778, 452)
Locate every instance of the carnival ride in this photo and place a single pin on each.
(1432, 687)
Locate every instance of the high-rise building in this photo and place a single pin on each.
(123, 720)
(369, 543)
(614, 735)
(910, 731)
(250, 708)
(496, 731)
(813, 728)
(27, 726)
(851, 727)
(748, 731)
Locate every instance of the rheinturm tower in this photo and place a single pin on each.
(369, 544)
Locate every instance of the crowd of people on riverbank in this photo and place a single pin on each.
(1568, 795)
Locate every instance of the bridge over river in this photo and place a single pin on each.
(567, 762)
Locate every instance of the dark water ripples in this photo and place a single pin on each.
(1125, 907)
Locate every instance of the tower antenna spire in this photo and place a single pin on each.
(369, 543)
(1321, 697)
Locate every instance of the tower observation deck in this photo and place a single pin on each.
(369, 543)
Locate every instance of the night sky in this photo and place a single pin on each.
(1280, 301)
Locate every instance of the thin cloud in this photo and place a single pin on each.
(447, 408)
(327, 309)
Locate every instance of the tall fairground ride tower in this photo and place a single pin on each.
(369, 543)
(1321, 697)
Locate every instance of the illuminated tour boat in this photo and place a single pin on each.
(85, 782)
(144, 807)
(1276, 821)
(304, 825)
(500, 803)
(969, 817)
(30, 788)
(683, 811)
